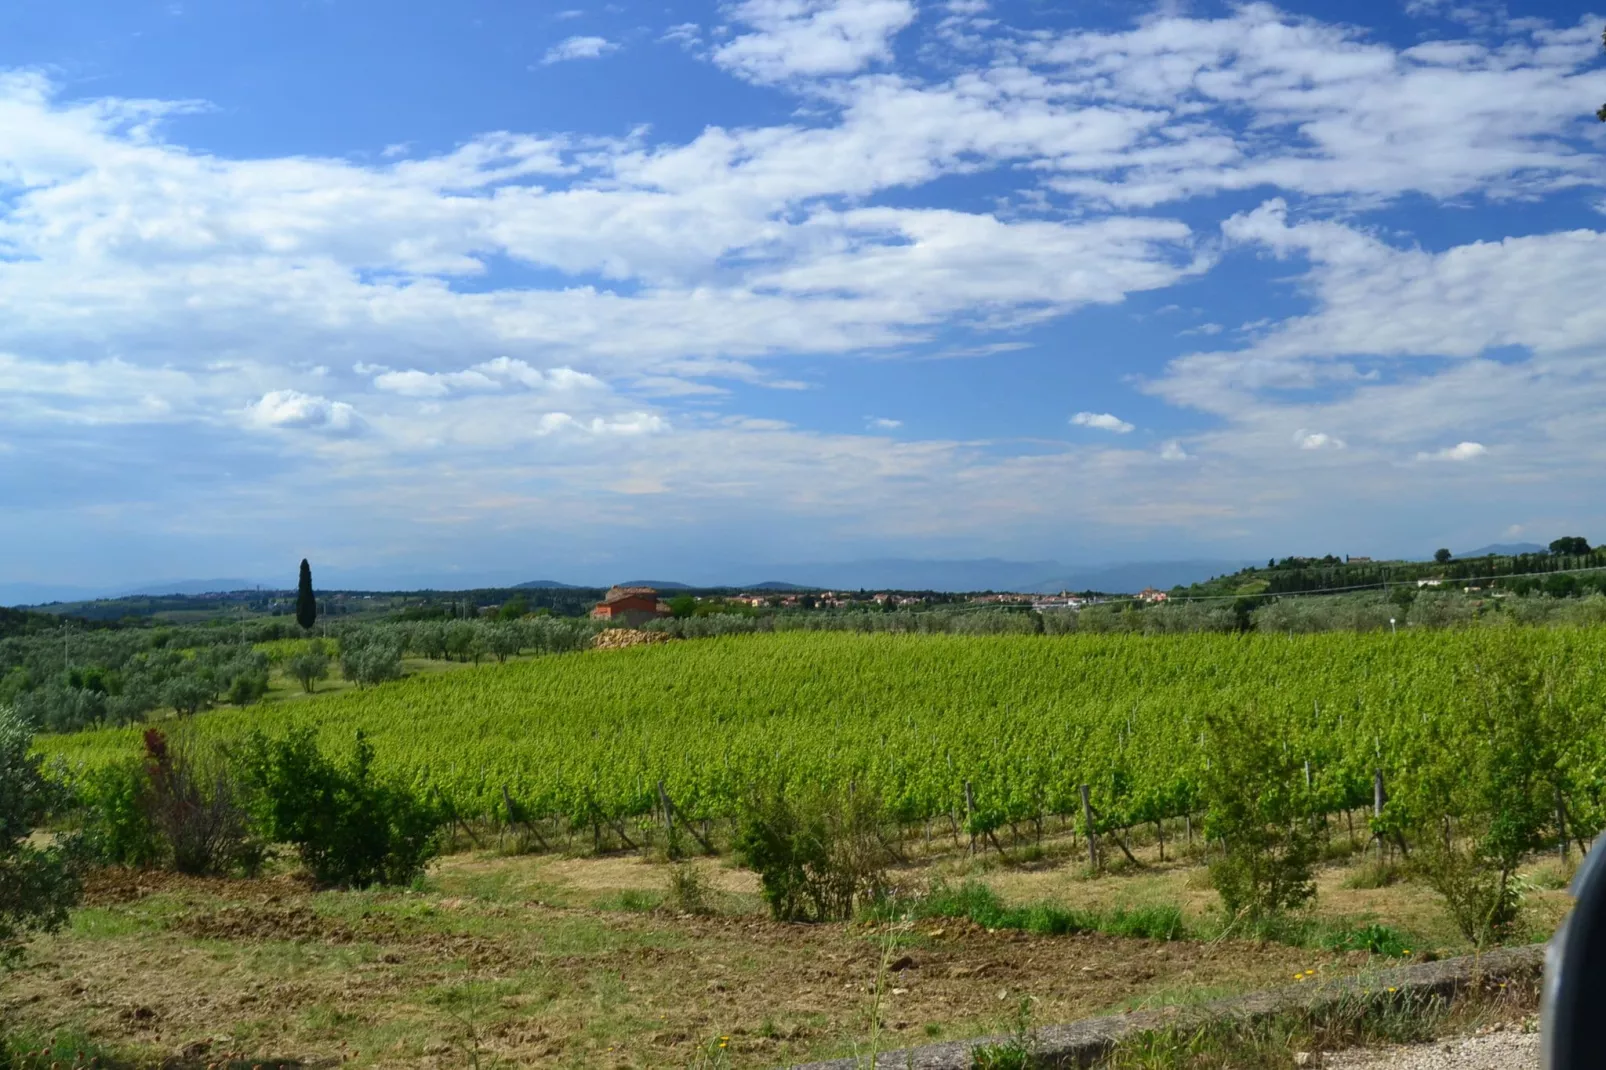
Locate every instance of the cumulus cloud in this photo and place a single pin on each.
(1103, 421)
(1317, 440)
(812, 37)
(1173, 451)
(578, 48)
(1462, 451)
(293, 409)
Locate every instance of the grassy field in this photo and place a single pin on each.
(577, 961)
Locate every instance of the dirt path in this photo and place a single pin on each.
(1496, 1051)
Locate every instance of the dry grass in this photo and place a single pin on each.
(551, 960)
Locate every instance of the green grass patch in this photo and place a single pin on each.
(980, 904)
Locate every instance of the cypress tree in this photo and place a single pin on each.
(306, 604)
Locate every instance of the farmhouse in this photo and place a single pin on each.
(630, 606)
(1149, 594)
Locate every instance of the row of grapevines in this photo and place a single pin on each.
(1025, 720)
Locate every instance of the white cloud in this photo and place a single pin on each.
(811, 38)
(293, 409)
(1103, 421)
(1463, 451)
(491, 375)
(881, 423)
(579, 48)
(680, 267)
(1316, 440)
(634, 423)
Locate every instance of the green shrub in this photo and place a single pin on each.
(1259, 808)
(195, 806)
(351, 829)
(688, 890)
(819, 855)
(1483, 792)
(118, 828)
(37, 884)
(169, 809)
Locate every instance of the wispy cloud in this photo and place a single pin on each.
(881, 423)
(579, 48)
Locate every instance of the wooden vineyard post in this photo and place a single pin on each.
(513, 816)
(1159, 834)
(1092, 836)
(1377, 809)
(970, 816)
(670, 811)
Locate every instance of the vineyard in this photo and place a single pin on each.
(1023, 721)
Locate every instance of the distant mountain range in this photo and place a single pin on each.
(1506, 549)
(908, 574)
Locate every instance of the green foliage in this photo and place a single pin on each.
(368, 658)
(309, 666)
(1375, 939)
(1484, 789)
(37, 884)
(117, 819)
(819, 855)
(1442, 555)
(187, 694)
(1257, 805)
(352, 828)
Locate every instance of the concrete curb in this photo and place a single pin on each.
(1084, 1043)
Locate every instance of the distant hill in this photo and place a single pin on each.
(775, 585)
(166, 587)
(1132, 578)
(1506, 549)
(553, 585)
(657, 585)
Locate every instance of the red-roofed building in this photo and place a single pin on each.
(631, 606)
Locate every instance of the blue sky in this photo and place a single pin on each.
(699, 288)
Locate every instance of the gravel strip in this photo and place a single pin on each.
(1496, 1051)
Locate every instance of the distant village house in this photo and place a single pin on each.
(630, 606)
(1149, 594)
